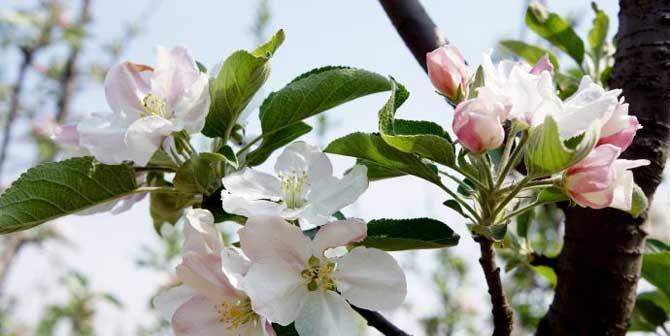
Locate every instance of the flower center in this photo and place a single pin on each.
(293, 185)
(319, 275)
(154, 105)
(237, 313)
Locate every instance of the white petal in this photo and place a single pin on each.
(169, 300)
(200, 234)
(624, 183)
(370, 278)
(175, 73)
(104, 137)
(198, 317)
(271, 239)
(326, 314)
(252, 185)
(234, 265)
(301, 157)
(145, 136)
(339, 233)
(277, 291)
(191, 110)
(241, 206)
(330, 194)
(203, 273)
(126, 84)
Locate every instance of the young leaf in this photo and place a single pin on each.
(166, 207)
(530, 53)
(372, 148)
(551, 195)
(197, 175)
(419, 136)
(652, 310)
(556, 30)
(476, 83)
(639, 202)
(275, 141)
(228, 155)
(315, 92)
(52, 190)
(454, 205)
(377, 172)
(241, 75)
(655, 245)
(409, 234)
(598, 33)
(492, 232)
(656, 268)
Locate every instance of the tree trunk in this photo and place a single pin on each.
(599, 266)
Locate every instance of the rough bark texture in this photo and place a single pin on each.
(415, 27)
(599, 266)
(501, 310)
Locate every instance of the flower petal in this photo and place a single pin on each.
(200, 234)
(168, 301)
(624, 183)
(271, 239)
(198, 317)
(277, 291)
(104, 137)
(234, 265)
(126, 85)
(326, 314)
(175, 73)
(300, 157)
(370, 278)
(330, 194)
(241, 206)
(339, 233)
(252, 185)
(203, 273)
(145, 136)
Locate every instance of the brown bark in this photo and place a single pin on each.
(379, 322)
(501, 310)
(599, 266)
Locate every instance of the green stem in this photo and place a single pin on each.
(461, 202)
(457, 180)
(521, 210)
(155, 168)
(159, 190)
(534, 184)
(485, 170)
(512, 161)
(249, 144)
(510, 196)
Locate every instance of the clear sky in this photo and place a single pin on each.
(343, 32)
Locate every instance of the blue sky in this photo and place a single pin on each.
(345, 32)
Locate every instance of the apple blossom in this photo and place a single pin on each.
(448, 71)
(148, 106)
(620, 129)
(209, 302)
(304, 188)
(601, 180)
(543, 64)
(291, 279)
(478, 123)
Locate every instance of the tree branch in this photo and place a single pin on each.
(415, 27)
(502, 312)
(379, 322)
(537, 259)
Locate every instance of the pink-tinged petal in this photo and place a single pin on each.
(200, 234)
(624, 137)
(168, 301)
(478, 125)
(339, 233)
(145, 136)
(370, 278)
(268, 331)
(174, 75)
(326, 314)
(593, 200)
(126, 85)
(234, 265)
(590, 182)
(299, 157)
(104, 137)
(447, 70)
(199, 317)
(203, 273)
(277, 291)
(330, 194)
(272, 239)
(624, 183)
(543, 64)
(252, 185)
(66, 135)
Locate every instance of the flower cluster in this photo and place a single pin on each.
(524, 96)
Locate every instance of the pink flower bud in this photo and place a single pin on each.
(478, 124)
(543, 64)
(447, 70)
(620, 129)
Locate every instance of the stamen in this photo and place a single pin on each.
(154, 105)
(319, 275)
(236, 314)
(293, 185)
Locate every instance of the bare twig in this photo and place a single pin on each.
(502, 312)
(379, 322)
(415, 27)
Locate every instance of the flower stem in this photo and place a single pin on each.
(249, 144)
(159, 190)
(510, 196)
(461, 202)
(513, 160)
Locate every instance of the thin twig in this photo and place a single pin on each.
(502, 312)
(379, 322)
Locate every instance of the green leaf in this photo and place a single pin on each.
(409, 234)
(275, 141)
(551, 195)
(198, 174)
(598, 33)
(547, 273)
(655, 245)
(523, 222)
(166, 207)
(553, 28)
(476, 83)
(495, 232)
(371, 148)
(228, 155)
(454, 205)
(653, 307)
(656, 270)
(377, 172)
(530, 53)
(416, 137)
(241, 75)
(315, 92)
(639, 202)
(56, 189)
(567, 84)
(547, 154)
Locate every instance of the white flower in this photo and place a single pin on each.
(210, 302)
(304, 188)
(290, 278)
(148, 106)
